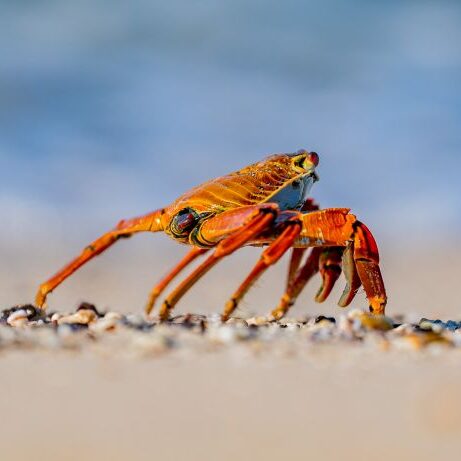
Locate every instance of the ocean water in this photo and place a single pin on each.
(109, 108)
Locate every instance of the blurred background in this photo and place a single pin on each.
(110, 109)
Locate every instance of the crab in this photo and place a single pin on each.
(265, 204)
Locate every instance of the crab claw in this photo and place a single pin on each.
(366, 257)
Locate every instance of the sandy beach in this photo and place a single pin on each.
(360, 407)
(315, 390)
(121, 399)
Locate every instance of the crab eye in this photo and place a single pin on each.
(299, 161)
(313, 157)
(306, 160)
(183, 222)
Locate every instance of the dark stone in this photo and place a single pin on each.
(32, 312)
(322, 317)
(89, 307)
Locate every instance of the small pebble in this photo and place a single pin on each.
(137, 322)
(81, 317)
(257, 321)
(419, 340)
(18, 318)
(452, 326)
(89, 307)
(237, 322)
(375, 322)
(104, 324)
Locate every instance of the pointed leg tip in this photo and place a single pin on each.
(276, 314)
(164, 313)
(152, 300)
(321, 296)
(148, 315)
(163, 318)
(347, 297)
(40, 299)
(284, 305)
(148, 308)
(224, 318)
(229, 308)
(271, 318)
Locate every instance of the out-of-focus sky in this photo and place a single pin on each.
(109, 109)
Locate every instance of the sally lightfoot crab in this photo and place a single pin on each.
(264, 204)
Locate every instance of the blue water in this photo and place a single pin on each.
(112, 108)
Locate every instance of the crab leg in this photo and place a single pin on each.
(352, 277)
(330, 270)
(295, 262)
(269, 257)
(191, 256)
(252, 220)
(294, 288)
(327, 262)
(151, 222)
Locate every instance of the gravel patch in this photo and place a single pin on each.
(111, 333)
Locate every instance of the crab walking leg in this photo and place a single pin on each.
(269, 257)
(191, 256)
(295, 262)
(151, 222)
(328, 263)
(330, 270)
(307, 271)
(263, 217)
